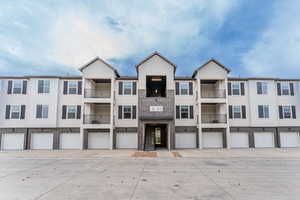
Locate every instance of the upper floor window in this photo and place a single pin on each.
(184, 88)
(236, 88)
(285, 88)
(72, 87)
(41, 111)
(287, 112)
(262, 87)
(17, 87)
(43, 86)
(127, 88)
(263, 111)
(15, 112)
(184, 112)
(237, 112)
(127, 112)
(71, 112)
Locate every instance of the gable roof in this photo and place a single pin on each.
(94, 60)
(211, 60)
(155, 54)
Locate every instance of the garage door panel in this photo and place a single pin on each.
(239, 140)
(185, 140)
(69, 141)
(126, 140)
(212, 139)
(98, 140)
(41, 141)
(289, 139)
(264, 139)
(12, 141)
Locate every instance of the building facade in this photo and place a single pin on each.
(154, 109)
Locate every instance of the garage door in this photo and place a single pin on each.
(12, 141)
(289, 139)
(239, 140)
(185, 140)
(212, 139)
(98, 140)
(69, 141)
(264, 139)
(41, 141)
(126, 140)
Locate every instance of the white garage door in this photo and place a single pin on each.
(185, 140)
(212, 139)
(264, 139)
(126, 140)
(98, 140)
(289, 139)
(239, 140)
(69, 141)
(41, 141)
(12, 141)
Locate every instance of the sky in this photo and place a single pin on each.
(55, 37)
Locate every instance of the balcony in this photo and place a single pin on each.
(213, 93)
(212, 118)
(96, 93)
(96, 119)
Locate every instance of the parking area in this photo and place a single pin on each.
(187, 174)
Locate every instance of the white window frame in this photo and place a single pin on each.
(239, 112)
(180, 88)
(67, 112)
(289, 108)
(285, 86)
(44, 88)
(13, 86)
(11, 111)
(123, 112)
(265, 116)
(76, 83)
(264, 88)
(44, 107)
(131, 87)
(232, 88)
(188, 112)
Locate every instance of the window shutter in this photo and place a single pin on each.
(24, 90)
(177, 88)
(279, 90)
(78, 111)
(280, 112)
(230, 112)
(260, 111)
(121, 88)
(7, 112)
(40, 86)
(177, 112)
(294, 112)
(191, 112)
(9, 87)
(190, 88)
(292, 89)
(79, 89)
(22, 112)
(65, 87)
(242, 88)
(259, 88)
(120, 112)
(134, 88)
(229, 88)
(38, 111)
(64, 112)
(244, 112)
(133, 112)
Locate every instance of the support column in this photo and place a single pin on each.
(200, 138)
(82, 138)
(56, 139)
(228, 138)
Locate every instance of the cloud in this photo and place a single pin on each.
(276, 52)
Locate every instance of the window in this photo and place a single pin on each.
(262, 88)
(263, 111)
(71, 112)
(15, 112)
(236, 88)
(184, 112)
(72, 87)
(43, 86)
(127, 88)
(286, 112)
(285, 89)
(236, 112)
(184, 88)
(42, 111)
(17, 87)
(127, 112)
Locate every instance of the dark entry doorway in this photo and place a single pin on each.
(156, 137)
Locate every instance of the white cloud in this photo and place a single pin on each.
(276, 52)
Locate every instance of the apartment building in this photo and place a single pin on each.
(154, 109)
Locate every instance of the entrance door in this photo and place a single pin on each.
(155, 136)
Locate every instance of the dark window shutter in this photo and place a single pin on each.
(230, 112)
(260, 111)
(279, 90)
(24, 90)
(65, 87)
(292, 89)
(229, 88)
(177, 88)
(177, 112)
(244, 112)
(78, 111)
(79, 89)
(64, 112)
(242, 89)
(294, 112)
(134, 88)
(120, 112)
(40, 86)
(121, 88)
(38, 111)
(7, 112)
(9, 87)
(280, 112)
(191, 112)
(22, 112)
(133, 112)
(259, 88)
(191, 88)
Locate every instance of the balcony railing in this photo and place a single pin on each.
(96, 119)
(214, 118)
(96, 93)
(213, 93)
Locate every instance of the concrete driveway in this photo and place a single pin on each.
(207, 174)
